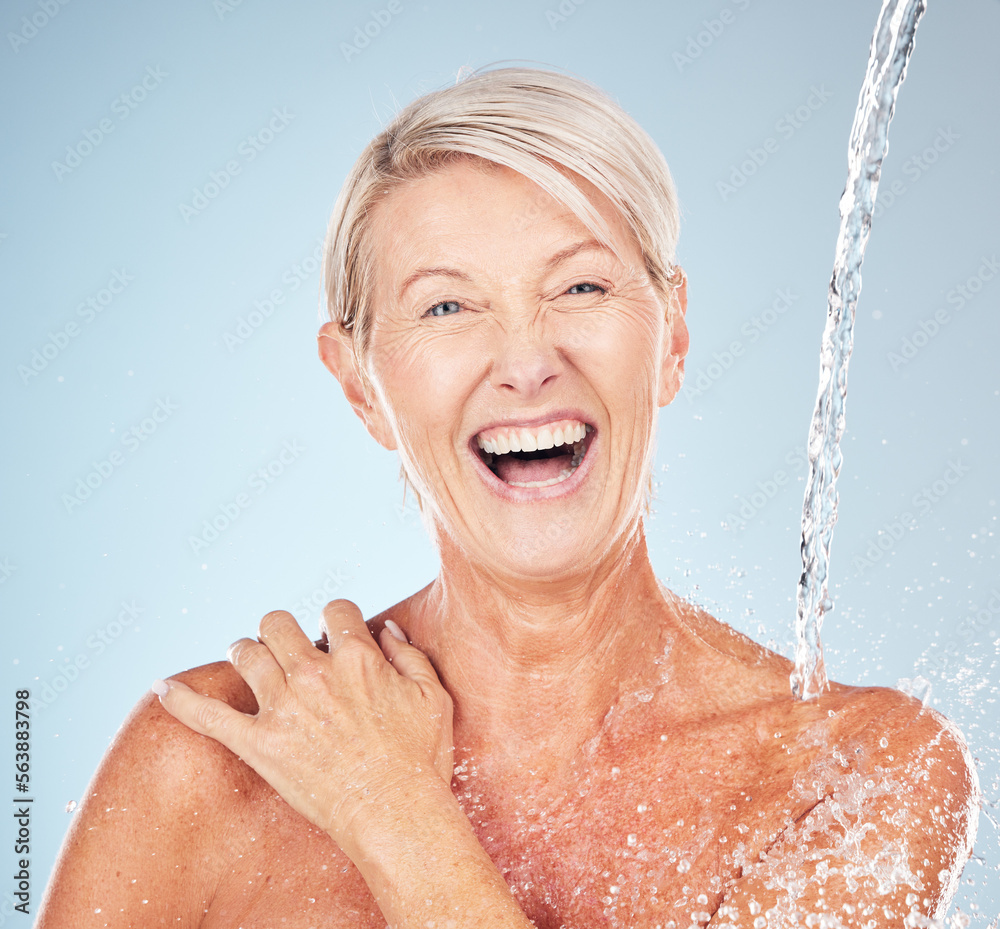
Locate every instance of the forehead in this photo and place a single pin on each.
(473, 209)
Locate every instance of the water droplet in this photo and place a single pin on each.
(683, 866)
(71, 806)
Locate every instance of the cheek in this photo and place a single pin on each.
(424, 380)
(642, 328)
(619, 347)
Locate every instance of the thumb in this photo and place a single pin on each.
(407, 659)
(205, 715)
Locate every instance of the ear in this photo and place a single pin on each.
(675, 343)
(337, 354)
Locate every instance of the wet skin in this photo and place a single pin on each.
(668, 803)
(622, 757)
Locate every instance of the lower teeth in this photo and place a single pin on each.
(559, 478)
(578, 451)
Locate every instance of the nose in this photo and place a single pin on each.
(526, 361)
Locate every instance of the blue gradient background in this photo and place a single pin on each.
(335, 516)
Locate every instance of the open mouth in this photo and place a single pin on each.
(536, 456)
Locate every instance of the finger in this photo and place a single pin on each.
(344, 618)
(256, 664)
(408, 660)
(204, 715)
(285, 639)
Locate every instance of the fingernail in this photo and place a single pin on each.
(395, 631)
(160, 688)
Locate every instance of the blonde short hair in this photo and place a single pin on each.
(536, 122)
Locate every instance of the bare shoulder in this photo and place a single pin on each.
(751, 675)
(880, 792)
(901, 738)
(152, 748)
(879, 732)
(884, 808)
(731, 653)
(150, 831)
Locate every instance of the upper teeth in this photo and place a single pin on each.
(502, 440)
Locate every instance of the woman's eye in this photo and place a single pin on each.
(585, 289)
(448, 308)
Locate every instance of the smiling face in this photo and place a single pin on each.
(517, 365)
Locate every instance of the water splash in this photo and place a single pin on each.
(892, 44)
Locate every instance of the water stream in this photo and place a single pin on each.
(892, 44)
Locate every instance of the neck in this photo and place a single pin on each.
(536, 669)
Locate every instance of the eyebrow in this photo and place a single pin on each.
(562, 255)
(586, 245)
(431, 272)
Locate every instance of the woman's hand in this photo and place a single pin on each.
(345, 737)
(359, 741)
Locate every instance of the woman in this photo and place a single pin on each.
(544, 735)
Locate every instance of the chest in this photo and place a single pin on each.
(622, 844)
(647, 845)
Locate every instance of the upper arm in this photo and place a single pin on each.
(889, 837)
(144, 845)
